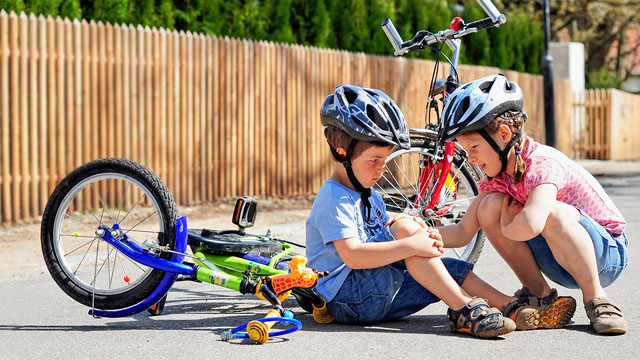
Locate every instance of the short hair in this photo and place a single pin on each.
(338, 138)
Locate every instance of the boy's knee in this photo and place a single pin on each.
(490, 209)
(403, 228)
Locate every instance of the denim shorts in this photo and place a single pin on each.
(611, 255)
(386, 293)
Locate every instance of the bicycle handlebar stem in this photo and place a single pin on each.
(420, 41)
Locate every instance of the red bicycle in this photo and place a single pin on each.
(433, 179)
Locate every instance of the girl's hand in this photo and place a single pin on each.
(432, 244)
(510, 208)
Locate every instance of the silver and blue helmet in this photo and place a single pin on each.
(366, 115)
(474, 105)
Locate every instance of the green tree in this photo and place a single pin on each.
(70, 9)
(42, 7)
(113, 11)
(476, 47)
(12, 5)
(319, 24)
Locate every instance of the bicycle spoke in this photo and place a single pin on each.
(80, 221)
(83, 245)
(104, 206)
(75, 271)
(124, 202)
(141, 221)
(136, 205)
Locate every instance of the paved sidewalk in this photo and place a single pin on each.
(602, 168)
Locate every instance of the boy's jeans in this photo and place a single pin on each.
(386, 293)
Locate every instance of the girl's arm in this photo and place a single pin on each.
(524, 223)
(460, 234)
(417, 242)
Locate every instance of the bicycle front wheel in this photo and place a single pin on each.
(106, 192)
(400, 186)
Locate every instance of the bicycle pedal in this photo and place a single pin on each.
(245, 211)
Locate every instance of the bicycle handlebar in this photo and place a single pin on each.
(423, 38)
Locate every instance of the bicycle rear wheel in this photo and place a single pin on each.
(399, 189)
(106, 192)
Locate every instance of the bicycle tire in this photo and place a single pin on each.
(103, 187)
(398, 186)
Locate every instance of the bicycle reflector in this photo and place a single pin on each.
(244, 214)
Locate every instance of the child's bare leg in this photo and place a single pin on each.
(516, 253)
(433, 275)
(573, 249)
(475, 286)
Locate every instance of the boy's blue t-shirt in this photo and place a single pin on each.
(337, 213)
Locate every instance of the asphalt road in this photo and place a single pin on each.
(37, 320)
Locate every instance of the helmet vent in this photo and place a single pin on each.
(485, 86)
(375, 117)
(351, 96)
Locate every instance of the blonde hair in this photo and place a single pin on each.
(515, 121)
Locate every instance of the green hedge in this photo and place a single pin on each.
(352, 25)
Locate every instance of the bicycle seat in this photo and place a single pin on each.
(233, 241)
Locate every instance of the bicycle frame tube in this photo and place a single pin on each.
(137, 254)
(442, 169)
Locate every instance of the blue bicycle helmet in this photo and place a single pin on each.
(366, 115)
(476, 104)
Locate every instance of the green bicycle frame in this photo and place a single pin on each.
(228, 271)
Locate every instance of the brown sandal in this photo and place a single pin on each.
(605, 316)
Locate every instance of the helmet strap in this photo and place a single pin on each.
(502, 153)
(365, 193)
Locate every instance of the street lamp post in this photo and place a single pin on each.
(547, 74)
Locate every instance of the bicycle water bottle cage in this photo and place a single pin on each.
(245, 211)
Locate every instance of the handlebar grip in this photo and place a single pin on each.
(392, 34)
(492, 11)
(481, 24)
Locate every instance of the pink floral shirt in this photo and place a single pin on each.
(576, 187)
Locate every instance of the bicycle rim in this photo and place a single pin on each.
(90, 262)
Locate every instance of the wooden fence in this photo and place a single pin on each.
(605, 125)
(213, 117)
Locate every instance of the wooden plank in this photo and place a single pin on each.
(272, 121)
(149, 130)
(23, 135)
(102, 89)
(189, 170)
(208, 118)
(251, 115)
(197, 118)
(183, 120)
(125, 94)
(77, 98)
(239, 121)
(214, 143)
(156, 123)
(233, 120)
(119, 131)
(289, 130)
(5, 190)
(306, 121)
(14, 88)
(163, 57)
(134, 92)
(172, 109)
(118, 98)
(43, 139)
(259, 138)
(34, 91)
(223, 145)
